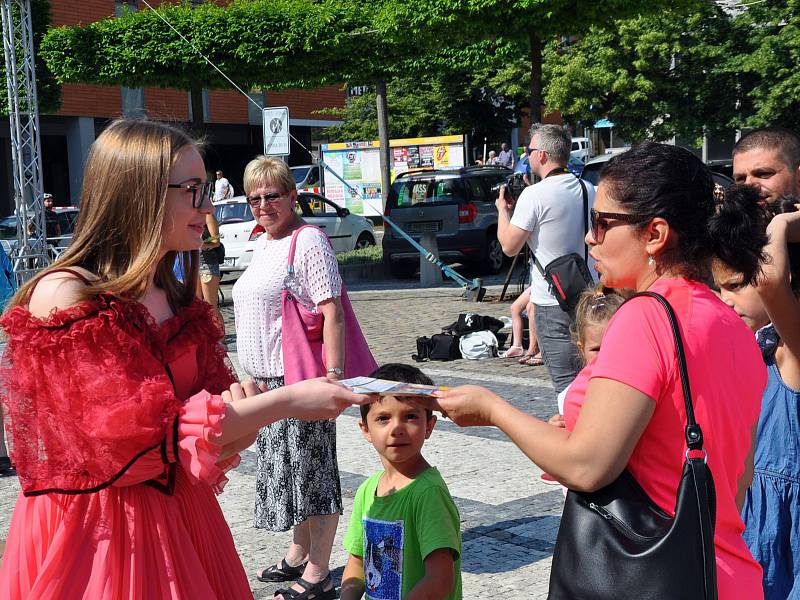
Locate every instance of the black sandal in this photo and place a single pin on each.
(282, 572)
(311, 591)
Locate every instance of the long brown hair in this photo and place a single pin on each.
(118, 234)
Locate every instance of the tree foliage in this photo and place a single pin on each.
(655, 76)
(768, 35)
(453, 102)
(261, 43)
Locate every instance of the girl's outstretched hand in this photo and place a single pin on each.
(466, 406)
(321, 398)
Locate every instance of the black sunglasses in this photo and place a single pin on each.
(255, 201)
(206, 191)
(602, 222)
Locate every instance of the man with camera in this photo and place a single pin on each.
(549, 217)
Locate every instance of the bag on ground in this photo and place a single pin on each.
(478, 345)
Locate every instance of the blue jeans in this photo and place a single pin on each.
(559, 352)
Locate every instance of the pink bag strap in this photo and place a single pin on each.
(290, 259)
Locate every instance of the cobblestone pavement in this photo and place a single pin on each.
(509, 518)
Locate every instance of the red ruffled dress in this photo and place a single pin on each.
(111, 421)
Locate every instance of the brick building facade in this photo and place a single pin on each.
(233, 123)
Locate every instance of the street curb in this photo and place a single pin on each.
(362, 272)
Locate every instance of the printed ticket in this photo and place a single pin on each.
(382, 387)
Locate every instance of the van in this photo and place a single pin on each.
(581, 148)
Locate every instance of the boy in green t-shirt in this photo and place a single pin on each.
(404, 536)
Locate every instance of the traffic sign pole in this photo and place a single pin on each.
(276, 130)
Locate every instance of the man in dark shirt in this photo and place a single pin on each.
(52, 227)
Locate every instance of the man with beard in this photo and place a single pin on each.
(769, 160)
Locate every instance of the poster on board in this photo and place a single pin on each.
(358, 164)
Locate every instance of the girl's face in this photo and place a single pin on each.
(183, 224)
(589, 345)
(742, 298)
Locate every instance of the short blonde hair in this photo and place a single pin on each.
(264, 170)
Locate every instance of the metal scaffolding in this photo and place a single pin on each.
(30, 254)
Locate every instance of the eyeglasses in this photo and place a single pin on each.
(601, 222)
(273, 198)
(537, 150)
(205, 190)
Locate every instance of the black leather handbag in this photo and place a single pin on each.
(616, 543)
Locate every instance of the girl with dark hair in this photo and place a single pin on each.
(655, 226)
(771, 510)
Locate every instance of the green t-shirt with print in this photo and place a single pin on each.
(394, 534)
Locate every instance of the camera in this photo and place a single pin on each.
(514, 183)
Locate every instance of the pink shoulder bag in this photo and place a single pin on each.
(301, 337)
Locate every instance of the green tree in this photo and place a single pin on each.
(445, 103)
(654, 76)
(271, 44)
(48, 91)
(767, 35)
(526, 25)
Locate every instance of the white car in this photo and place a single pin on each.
(581, 148)
(239, 229)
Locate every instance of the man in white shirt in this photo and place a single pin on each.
(549, 217)
(221, 187)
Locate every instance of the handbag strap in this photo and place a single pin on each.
(585, 195)
(293, 244)
(694, 435)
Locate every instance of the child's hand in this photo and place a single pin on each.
(557, 420)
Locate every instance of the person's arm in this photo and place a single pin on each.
(511, 237)
(439, 577)
(746, 478)
(333, 334)
(247, 411)
(612, 420)
(213, 232)
(353, 586)
(774, 289)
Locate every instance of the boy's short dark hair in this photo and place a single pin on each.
(398, 372)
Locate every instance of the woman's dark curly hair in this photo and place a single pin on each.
(659, 180)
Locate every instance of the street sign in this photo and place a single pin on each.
(276, 131)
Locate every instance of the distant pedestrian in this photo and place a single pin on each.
(492, 158)
(51, 224)
(222, 187)
(506, 156)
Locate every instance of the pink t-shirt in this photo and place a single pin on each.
(727, 377)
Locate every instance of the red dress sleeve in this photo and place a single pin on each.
(85, 394)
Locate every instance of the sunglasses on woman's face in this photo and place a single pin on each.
(603, 221)
(273, 198)
(201, 192)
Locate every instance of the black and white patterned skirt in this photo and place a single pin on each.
(297, 475)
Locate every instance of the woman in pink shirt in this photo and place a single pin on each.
(656, 226)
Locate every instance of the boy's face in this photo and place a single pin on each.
(742, 298)
(397, 428)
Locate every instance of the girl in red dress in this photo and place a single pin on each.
(121, 413)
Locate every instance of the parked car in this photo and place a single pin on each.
(67, 218)
(457, 205)
(240, 230)
(581, 148)
(591, 172)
